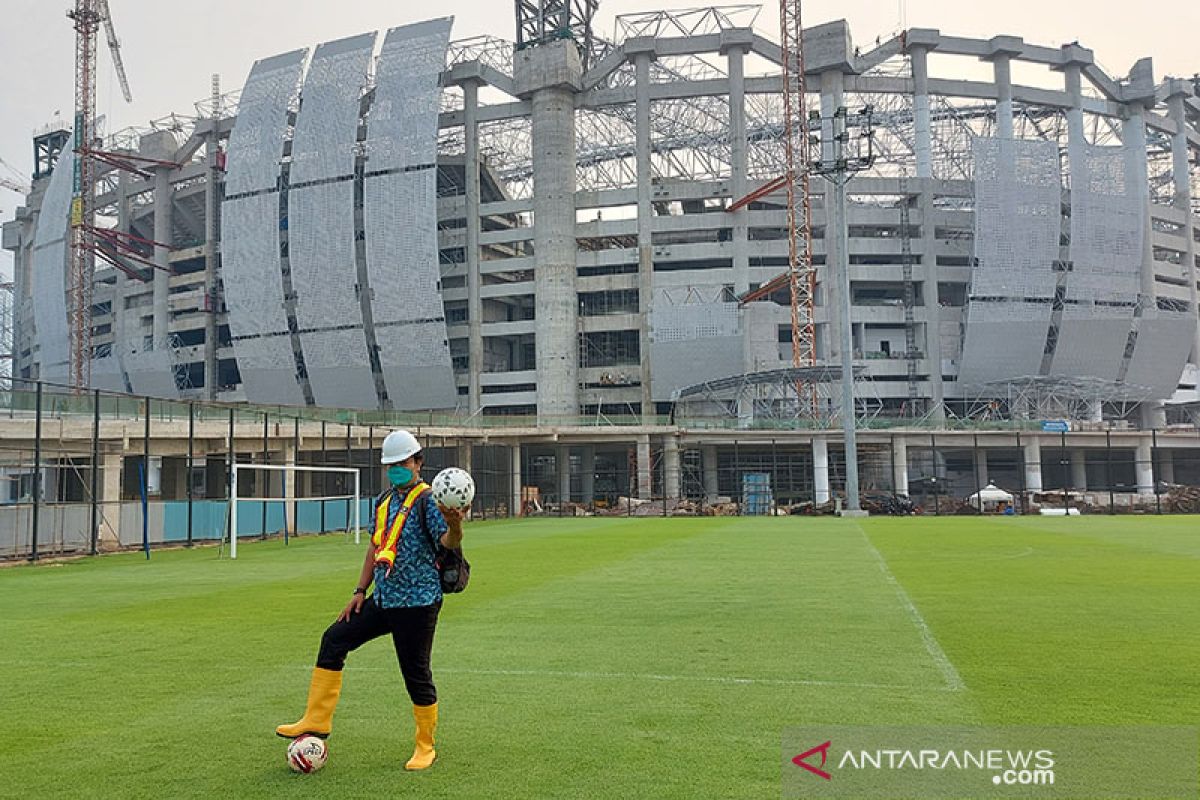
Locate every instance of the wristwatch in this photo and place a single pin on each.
(360, 590)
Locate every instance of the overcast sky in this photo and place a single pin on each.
(171, 49)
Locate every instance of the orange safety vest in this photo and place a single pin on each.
(387, 540)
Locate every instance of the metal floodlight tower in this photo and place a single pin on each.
(838, 170)
(542, 21)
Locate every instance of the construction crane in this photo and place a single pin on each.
(800, 277)
(87, 16)
(15, 181)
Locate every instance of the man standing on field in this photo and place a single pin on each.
(400, 562)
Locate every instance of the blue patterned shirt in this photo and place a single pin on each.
(414, 580)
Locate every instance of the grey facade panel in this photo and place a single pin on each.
(151, 373)
(1108, 227)
(1163, 343)
(678, 363)
(256, 142)
(1003, 341)
(402, 127)
(416, 365)
(1017, 218)
(328, 309)
(254, 297)
(327, 125)
(107, 374)
(1090, 346)
(400, 218)
(50, 247)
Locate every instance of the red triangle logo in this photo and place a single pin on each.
(800, 760)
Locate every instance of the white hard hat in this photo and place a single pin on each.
(398, 446)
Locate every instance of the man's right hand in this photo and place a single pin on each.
(353, 607)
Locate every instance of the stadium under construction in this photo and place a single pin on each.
(581, 238)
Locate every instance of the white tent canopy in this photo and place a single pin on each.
(991, 494)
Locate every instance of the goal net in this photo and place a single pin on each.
(331, 509)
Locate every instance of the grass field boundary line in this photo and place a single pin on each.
(585, 675)
(650, 676)
(954, 681)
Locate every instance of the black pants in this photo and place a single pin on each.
(412, 632)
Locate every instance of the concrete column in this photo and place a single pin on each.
(120, 334)
(162, 233)
(211, 369)
(1079, 470)
(1183, 198)
(738, 184)
(587, 457)
(645, 485)
(514, 460)
(111, 465)
(474, 279)
(712, 479)
(929, 293)
(465, 456)
(1166, 465)
(1033, 464)
(900, 465)
(832, 98)
(290, 485)
(671, 476)
(549, 76)
(1133, 134)
(1002, 72)
(562, 468)
(645, 221)
(922, 126)
(820, 470)
(981, 466)
(1143, 466)
(1076, 135)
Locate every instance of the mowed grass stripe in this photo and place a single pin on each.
(1095, 624)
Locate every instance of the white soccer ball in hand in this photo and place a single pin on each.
(307, 754)
(453, 488)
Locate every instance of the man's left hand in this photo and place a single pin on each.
(454, 516)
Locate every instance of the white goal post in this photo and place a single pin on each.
(355, 514)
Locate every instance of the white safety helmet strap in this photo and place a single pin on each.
(398, 446)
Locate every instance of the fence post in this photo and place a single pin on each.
(1064, 465)
(37, 471)
(975, 470)
(1112, 497)
(324, 476)
(933, 481)
(266, 475)
(146, 482)
(191, 457)
(95, 470)
(1021, 473)
(229, 484)
(349, 463)
(296, 486)
(1154, 470)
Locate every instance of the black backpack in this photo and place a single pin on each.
(454, 570)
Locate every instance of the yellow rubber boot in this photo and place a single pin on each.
(323, 695)
(423, 753)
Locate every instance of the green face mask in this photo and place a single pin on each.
(399, 476)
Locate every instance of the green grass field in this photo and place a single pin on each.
(622, 658)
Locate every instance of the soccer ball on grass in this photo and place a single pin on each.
(307, 754)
